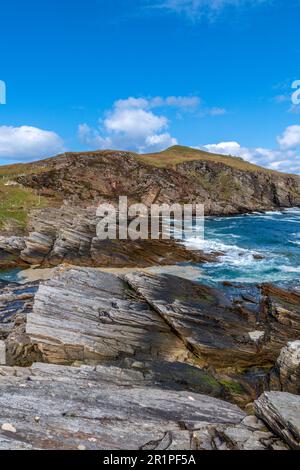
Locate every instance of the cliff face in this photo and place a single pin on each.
(230, 190)
(224, 184)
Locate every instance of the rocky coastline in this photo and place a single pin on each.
(161, 362)
(140, 359)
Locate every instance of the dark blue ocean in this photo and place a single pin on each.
(274, 236)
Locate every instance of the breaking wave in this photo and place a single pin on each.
(261, 247)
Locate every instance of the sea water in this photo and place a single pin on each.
(272, 236)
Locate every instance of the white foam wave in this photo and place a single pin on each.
(294, 210)
(273, 213)
(291, 269)
(231, 254)
(295, 242)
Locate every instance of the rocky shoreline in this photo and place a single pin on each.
(68, 235)
(109, 354)
(97, 360)
(188, 366)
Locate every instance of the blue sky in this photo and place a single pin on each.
(143, 75)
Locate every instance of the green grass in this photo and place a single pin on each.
(16, 202)
(233, 387)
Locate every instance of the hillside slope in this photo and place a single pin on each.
(226, 185)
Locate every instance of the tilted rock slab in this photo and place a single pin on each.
(84, 314)
(68, 234)
(281, 412)
(217, 328)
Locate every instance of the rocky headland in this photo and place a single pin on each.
(142, 360)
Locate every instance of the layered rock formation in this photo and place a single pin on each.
(149, 357)
(15, 303)
(52, 407)
(69, 235)
(96, 314)
(97, 360)
(224, 328)
(72, 186)
(85, 314)
(224, 184)
(281, 412)
(89, 316)
(285, 375)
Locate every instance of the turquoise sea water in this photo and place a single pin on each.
(9, 275)
(275, 236)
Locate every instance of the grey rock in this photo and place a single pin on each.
(216, 326)
(281, 413)
(2, 352)
(68, 234)
(253, 423)
(108, 408)
(101, 408)
(15, 302)
(85, 314)
(12, 244)
(285, 375)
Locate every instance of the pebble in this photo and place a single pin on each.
(8, 427)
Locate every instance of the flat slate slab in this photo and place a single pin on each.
(60, 407)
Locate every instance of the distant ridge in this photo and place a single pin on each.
(226, 185)
(180, 154)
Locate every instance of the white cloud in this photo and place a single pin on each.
(182, 102)
(200, 8)
(282, 159)
(162, 141)
(290, 139)
(225, 148)
(140, 124)
(132, 124)
(217, 111)
(28, 143)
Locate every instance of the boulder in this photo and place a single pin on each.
(281, 413)
(285, 375)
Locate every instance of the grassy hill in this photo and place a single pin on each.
(180, 154)
(79, 171)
